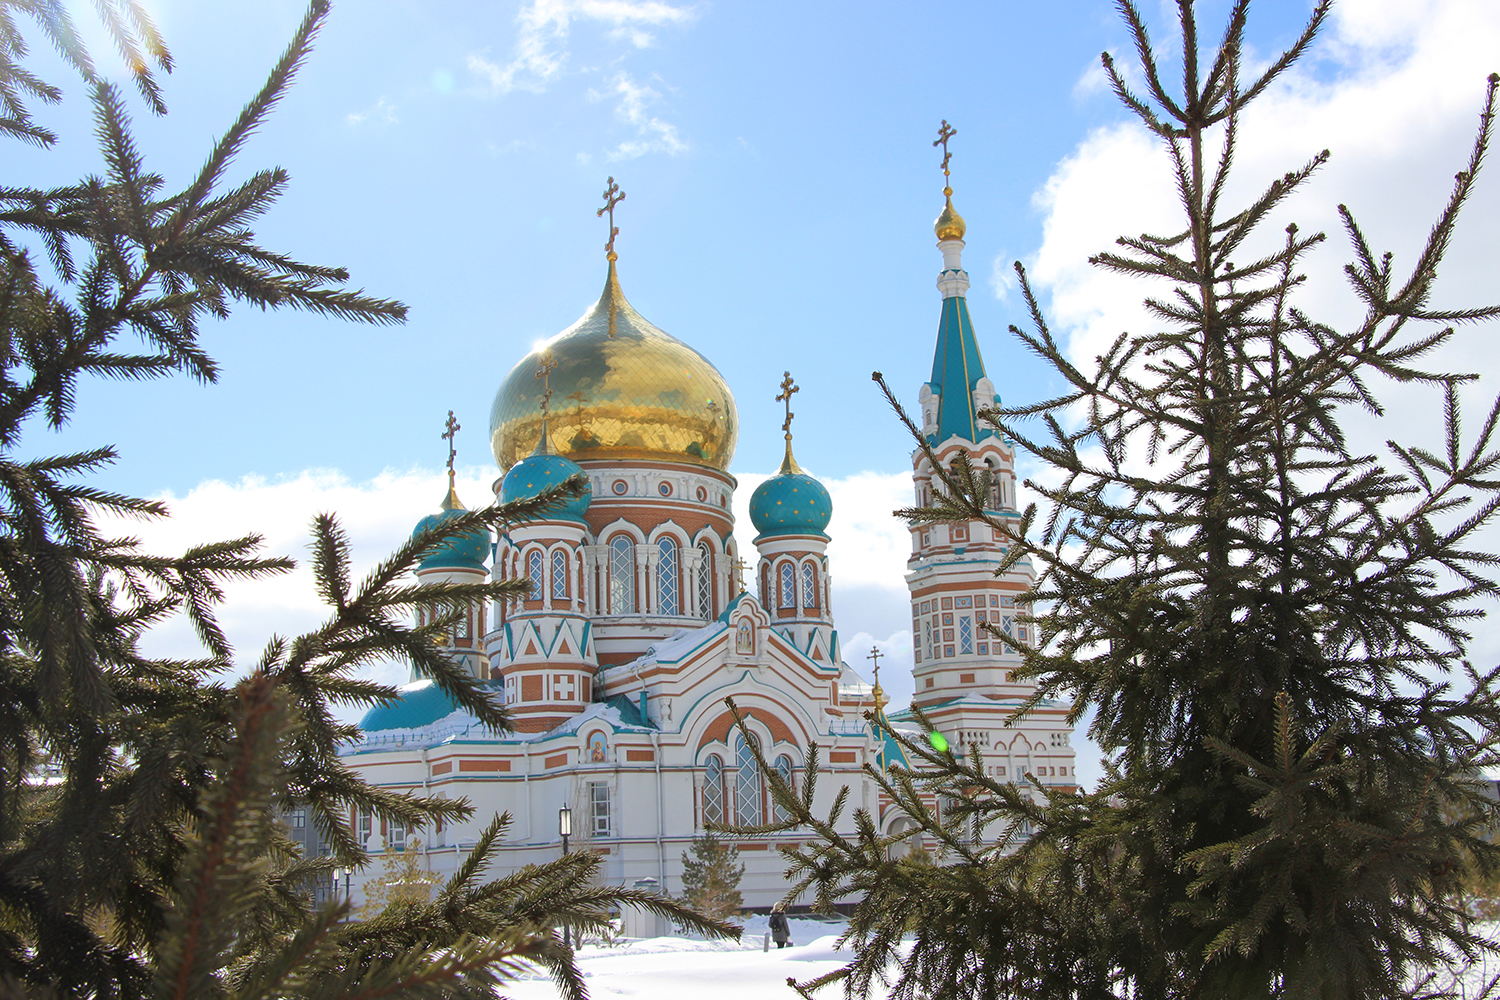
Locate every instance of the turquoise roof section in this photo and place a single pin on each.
(956, 370)
(464, 552)
(538, 472)
(420, 704)
(792, 503)
(734, 602)
(891, 751)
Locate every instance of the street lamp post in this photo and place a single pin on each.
(342, 873)
(565, 828)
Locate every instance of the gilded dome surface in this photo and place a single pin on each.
(622, 389)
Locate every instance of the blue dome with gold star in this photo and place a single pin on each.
(541, 471)
(790, 503)
(467, 551)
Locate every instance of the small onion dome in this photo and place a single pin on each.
(420, 704)
(464, 552)
(539, 472)
(792, 503)
(949, 225)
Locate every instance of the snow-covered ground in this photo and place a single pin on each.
(670, 967)
(679, 968)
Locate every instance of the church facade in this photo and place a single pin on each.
(639, 622)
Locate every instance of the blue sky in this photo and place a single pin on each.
(781, 189)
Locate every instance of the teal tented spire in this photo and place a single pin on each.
(956, 371)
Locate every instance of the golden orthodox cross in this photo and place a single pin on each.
(875, 655)
(543, 372)
(787, 388)
(450, 430)
(739, 575)
(945, 133)
(612, 197)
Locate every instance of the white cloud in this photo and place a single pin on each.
(655, 135)
(382, 112)
(544, 27)
(1002, 276)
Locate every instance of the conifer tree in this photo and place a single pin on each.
(1268, 626)
(139, 854)
(711, 878)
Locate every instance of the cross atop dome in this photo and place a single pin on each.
(949, 225)
(612, 197)
(450, 431)
(788, 464)
(544, 371)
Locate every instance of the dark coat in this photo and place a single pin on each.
(780, 932)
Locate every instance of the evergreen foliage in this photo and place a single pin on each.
(1267, 624)
(139, 854)
(404, 878)
(711, 878)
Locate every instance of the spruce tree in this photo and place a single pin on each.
(139, 850)
(1268, 626)
(711, 878)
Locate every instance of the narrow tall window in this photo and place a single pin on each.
(534, 571)
(560, 575)
(788, 586)
(713, 790)
(621, 576)
(809, 585)
(666, 577)
(965, 635)
(705, 581)
(783, 768)
(746, 787)
(598, 809)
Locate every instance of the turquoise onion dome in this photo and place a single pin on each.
(540, 471)
(464, 552)
(790, 502)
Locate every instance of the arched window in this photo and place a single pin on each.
(746, 787)
(713, 790)
(621, 575)
(560, 575)
(705, 581)
(809, 585)
(788, 586)
(534, 571)
(666, 577)
(783, 768)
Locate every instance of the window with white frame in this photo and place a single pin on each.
(784, 769)
(746, 787)
(621, 575)
(559, 575)
(788, 586)
(705, 581)
(666, 576)
(713, 790)
(534, 571)
(599, 809)
(809, 585)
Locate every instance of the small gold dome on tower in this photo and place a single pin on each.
(949, 225)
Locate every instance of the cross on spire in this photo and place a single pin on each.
(945, 132)
(450, 430)
(874, 656)
(544, 371)
(738, 566)
(789, 464)
(612, 197)
(787, 388)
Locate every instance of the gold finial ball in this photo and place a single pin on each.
(949, 225)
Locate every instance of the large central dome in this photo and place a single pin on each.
(622, 389)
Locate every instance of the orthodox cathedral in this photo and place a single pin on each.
(639, 623)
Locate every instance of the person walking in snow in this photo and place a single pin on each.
(781, 932)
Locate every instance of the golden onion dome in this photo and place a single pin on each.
(622, 389)
(949, 225)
